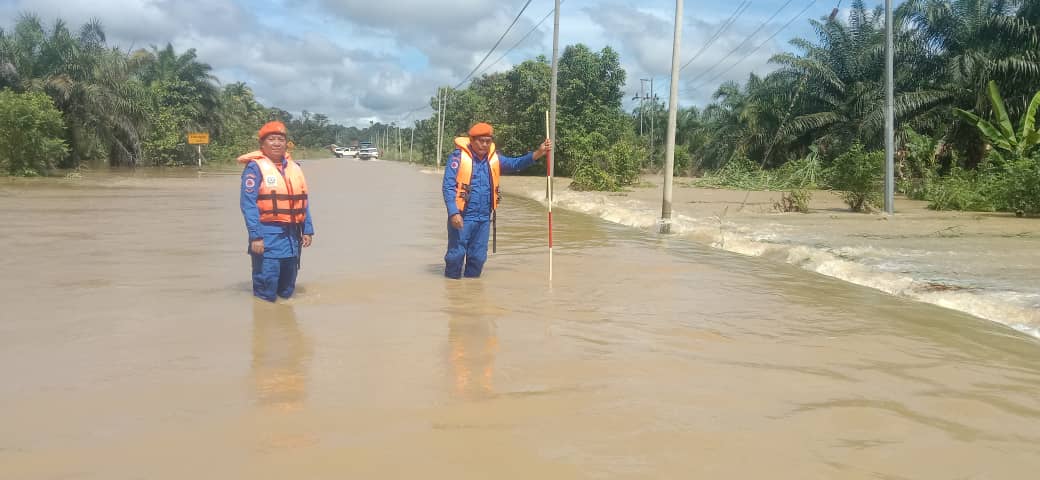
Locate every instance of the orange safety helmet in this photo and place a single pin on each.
(271, 127)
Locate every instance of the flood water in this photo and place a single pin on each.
(130, 347)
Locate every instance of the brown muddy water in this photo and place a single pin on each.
(130, 347)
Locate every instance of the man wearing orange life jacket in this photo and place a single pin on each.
(275, 204)
(471, 195)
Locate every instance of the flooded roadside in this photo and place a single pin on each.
(984, 264)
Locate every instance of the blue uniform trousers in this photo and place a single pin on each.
(274, 276)
(468, 246)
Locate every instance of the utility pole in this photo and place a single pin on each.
(653, 114)
(440, 118)
(444, 120)
(889, 114)
(642, 102)
(673, 107)
(411, 143)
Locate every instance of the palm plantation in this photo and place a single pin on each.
(808, 123)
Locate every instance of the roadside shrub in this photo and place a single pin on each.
(623, 161)
(805, 172)
(1019, 190)
(859, 176)
(588, 176)
(960, 190)
(32, 140)
(917, 164)
(796, 200)
(603, 167)
(683, 160)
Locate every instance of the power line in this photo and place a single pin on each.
(777, 32)
(722, 28)
(502, 37)
(746, 40)
(493, 47)
(517, 44)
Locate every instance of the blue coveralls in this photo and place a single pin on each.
(274, 272)
(469, 245)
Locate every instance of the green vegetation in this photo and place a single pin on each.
(794, 201)
(966, 106)
(33, 133)
(955, 147)
(122, 109)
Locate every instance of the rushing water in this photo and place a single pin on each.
(130, 347)
(984, 264)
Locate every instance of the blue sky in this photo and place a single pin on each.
(364, 60)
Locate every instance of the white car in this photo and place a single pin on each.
(341, 152)
(368, 153)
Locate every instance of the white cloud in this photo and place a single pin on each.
(359, 60)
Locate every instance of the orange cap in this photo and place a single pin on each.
(481, 130)
(271, 127)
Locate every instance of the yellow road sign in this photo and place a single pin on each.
(198, 138)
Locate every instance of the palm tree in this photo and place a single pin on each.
(88, 83)
(183, 73)
(973, 42)
(183, 97)
(743, 122)
(843, 96)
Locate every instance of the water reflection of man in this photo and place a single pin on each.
(280, 356)
(472, 340)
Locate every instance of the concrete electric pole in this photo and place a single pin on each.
(673, 107)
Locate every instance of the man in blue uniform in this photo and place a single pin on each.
(274, 202)
(471, 195)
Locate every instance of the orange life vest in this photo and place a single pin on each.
(281, 196)
(465, 174)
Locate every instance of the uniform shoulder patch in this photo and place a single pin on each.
(454, 164)
(250, 183)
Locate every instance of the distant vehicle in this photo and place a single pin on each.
(341, 152)
(368, 153)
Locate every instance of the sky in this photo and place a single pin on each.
(362, 60)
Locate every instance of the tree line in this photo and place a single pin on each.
(67, 99)
(816, 121)
(966, 71)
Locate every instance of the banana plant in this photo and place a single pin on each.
(1003, 135)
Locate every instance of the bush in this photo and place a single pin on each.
(805, 172)
(917, 164)
(858, 175)
(589, 176)
(683, 160)
(1019, 189)
(598, 167)
(1001, 184)
(623, 161)
(33, 128)
(794, 201)
(961, 190)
